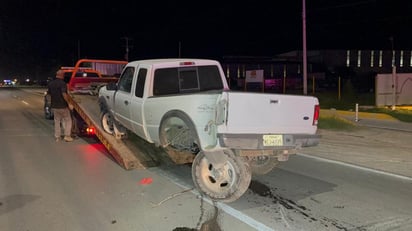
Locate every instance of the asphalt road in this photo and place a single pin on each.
(46, 185)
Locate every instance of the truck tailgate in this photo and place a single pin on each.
(259, 113)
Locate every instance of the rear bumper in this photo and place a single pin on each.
(255, 141)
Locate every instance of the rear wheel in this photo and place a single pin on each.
(226, 182)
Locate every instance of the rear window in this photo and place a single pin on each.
(178, 80)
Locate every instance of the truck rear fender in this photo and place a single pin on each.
(205, 137)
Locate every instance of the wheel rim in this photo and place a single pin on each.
(217, 180)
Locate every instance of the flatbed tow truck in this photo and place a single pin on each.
(126, 153)
(131, 152)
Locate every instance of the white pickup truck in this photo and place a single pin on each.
(186, 105)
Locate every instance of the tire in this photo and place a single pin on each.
(226, 184)
(107, 122)
(178, 133)
(261, 165)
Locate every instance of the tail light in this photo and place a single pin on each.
(90, 131)
(316, 115)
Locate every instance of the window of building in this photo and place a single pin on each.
(243, 70)
(359, 57)
(372, 57)
(393, 57)
(348, 58)
(380, 58)
(410, 60)
(401, 59)
(271, 70)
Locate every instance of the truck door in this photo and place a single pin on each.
(123, 98)
(136, 109)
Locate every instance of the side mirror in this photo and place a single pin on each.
(111, 86)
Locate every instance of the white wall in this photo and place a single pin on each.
(384, 93)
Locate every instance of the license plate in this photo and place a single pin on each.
(272, 140)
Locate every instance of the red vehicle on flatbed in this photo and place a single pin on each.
(90, 74)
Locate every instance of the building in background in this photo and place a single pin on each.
(283, 72)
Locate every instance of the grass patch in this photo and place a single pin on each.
(329, 100)
(335, 123)
(400, 114)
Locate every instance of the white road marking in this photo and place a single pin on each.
(226, 208)
(357, 167)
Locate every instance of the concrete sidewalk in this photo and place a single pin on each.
(380, 142)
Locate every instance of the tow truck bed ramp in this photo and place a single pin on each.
(126, 152)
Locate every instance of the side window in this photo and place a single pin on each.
(125, 82)
(166, 81)
(141, 79)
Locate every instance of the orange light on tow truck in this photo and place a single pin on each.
(316, 115)
(90, 131)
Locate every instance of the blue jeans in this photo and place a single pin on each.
(62, 118)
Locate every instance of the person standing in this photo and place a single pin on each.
(57, 89)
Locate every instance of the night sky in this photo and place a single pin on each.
(36, 37)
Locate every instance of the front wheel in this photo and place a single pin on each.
(107, 122)
(226, 182)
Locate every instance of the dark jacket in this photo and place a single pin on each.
(56, 88)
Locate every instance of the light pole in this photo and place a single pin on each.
(305, 71)
(393, 75)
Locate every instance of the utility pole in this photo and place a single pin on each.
(180, 49)
(393, 75)
(127, 46)
(305, 68)
(78, 49)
